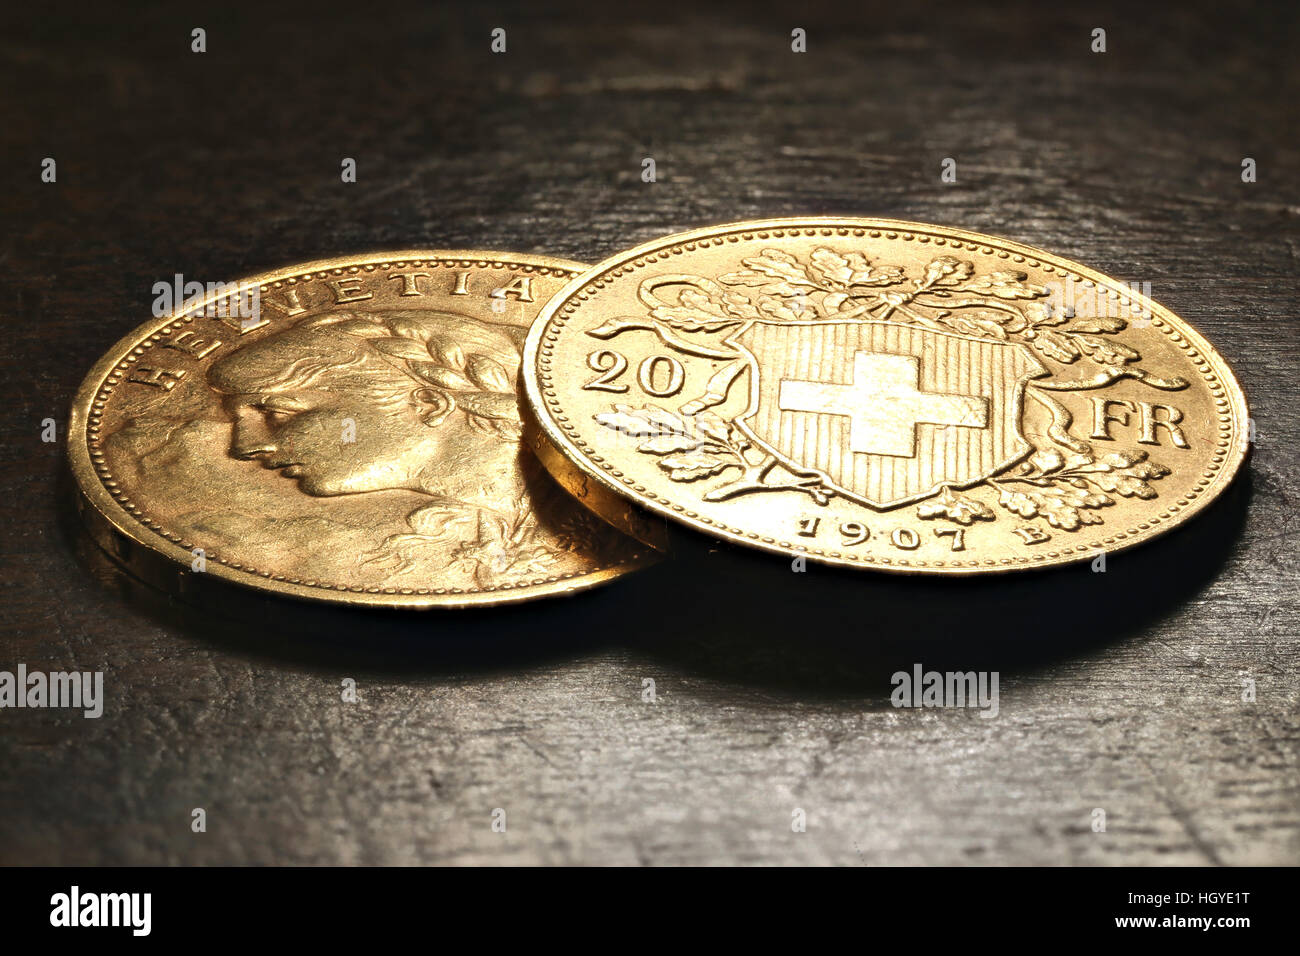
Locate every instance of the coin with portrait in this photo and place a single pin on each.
(346, 430)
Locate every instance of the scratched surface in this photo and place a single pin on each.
(1120, 691)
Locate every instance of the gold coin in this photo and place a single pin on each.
(881, 394)
(345, 430)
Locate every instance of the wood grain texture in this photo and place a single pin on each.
(1119, 690)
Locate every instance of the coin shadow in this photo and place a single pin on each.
(831, 634)
(727, 614)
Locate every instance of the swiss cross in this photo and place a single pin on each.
(884, 404)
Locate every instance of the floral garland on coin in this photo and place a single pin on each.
(1064, 483)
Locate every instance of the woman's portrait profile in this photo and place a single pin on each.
(419, 401)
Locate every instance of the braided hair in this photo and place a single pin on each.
(472, 363)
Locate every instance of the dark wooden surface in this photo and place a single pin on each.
(1120, 691)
